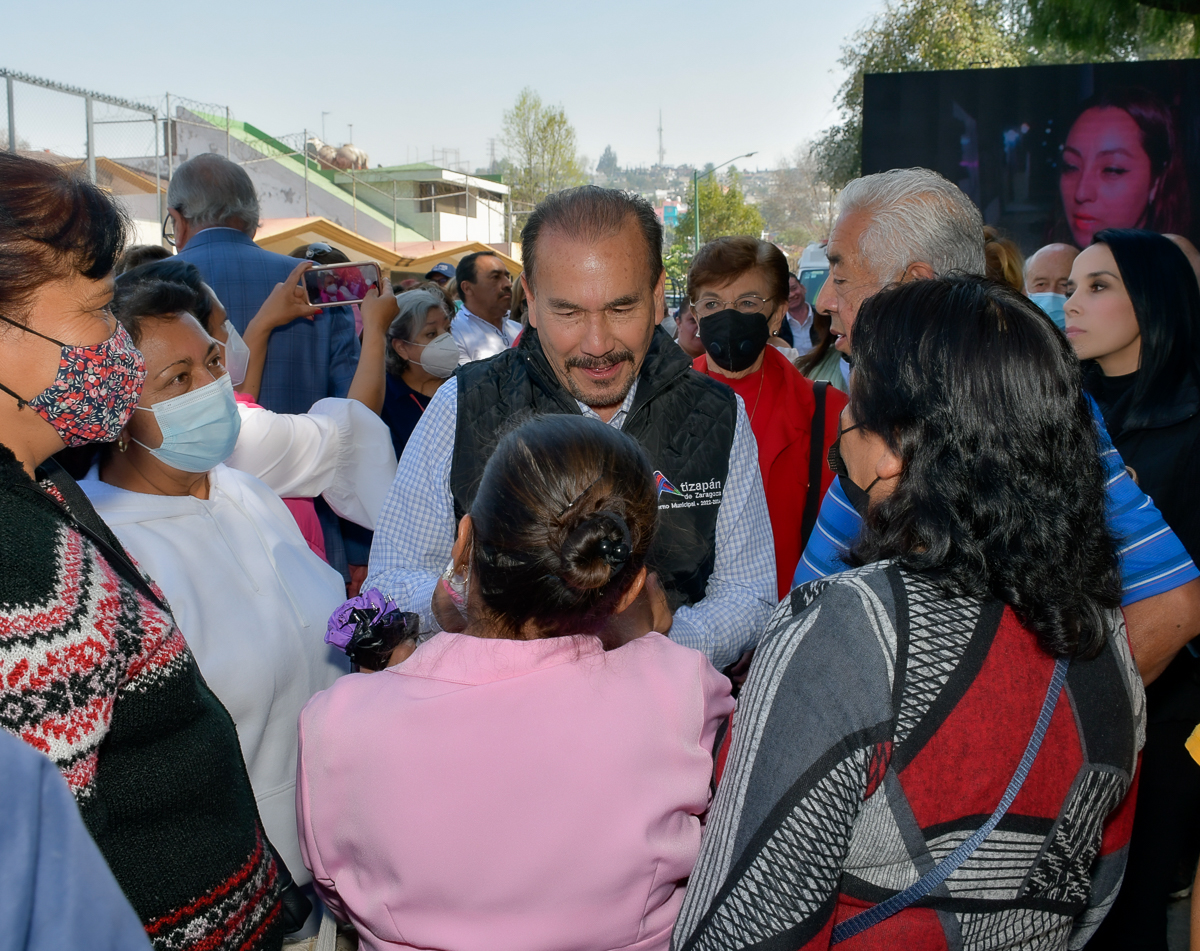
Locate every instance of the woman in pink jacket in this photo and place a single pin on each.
(538, 781)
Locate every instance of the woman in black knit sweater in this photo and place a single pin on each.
(93, 671)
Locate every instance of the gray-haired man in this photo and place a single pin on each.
(214, 214)
(911, 224)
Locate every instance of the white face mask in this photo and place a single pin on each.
(439, 357)
(237, 355)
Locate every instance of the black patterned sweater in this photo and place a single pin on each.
(97, 676)
(878, 729)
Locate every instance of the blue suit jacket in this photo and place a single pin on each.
(307, 360)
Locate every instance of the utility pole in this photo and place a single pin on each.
(351, 126)
(661, 153)
(696, 193)
(304, 153)
(323, 115)
(227, 132)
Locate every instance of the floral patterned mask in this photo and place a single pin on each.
(95, 390)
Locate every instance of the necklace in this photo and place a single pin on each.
(758, 399)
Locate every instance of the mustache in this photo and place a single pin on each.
(600, 363)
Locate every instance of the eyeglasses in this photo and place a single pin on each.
(746, 304)
(169, 230)
(835, 460)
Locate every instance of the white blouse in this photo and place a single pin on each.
(339, 449)
(253, 602)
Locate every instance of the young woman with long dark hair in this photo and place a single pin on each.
(1134, 320)
(967, 691)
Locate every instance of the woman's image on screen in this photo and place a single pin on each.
(1122, 167)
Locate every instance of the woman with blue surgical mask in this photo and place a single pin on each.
(250, 596)
(339, 449)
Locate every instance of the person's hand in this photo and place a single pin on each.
(649, 612)
(378, 310)
(287, 302)
(447, 615)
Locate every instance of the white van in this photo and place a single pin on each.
(813, 269)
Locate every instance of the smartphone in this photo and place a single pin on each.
(332, 284)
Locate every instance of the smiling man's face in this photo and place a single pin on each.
(595, 306)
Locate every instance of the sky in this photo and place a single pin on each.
(730, 78)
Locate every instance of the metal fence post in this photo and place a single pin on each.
(12, 119)
(91, 138)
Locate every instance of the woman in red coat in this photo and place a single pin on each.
(739, 289)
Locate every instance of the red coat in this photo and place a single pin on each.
(780, 404)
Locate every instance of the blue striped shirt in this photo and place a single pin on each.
(415, 533)
(1152, 559)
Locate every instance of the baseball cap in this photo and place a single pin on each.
(446, 270)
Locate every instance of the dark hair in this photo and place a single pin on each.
(174, 270)
(332, 256)
(1162, 287)
(141, 297)
(468, 267)
(590, 213)
(141, 254)
(1171, 209)
(822, 323)
(52, 223)
(1002, 491)
(725, 259)
(564, 515)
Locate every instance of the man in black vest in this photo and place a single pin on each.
(594, 280)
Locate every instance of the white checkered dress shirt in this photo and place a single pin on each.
(415, 533)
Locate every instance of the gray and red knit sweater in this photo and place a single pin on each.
(97, 676)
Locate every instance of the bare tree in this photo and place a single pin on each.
(799, 207)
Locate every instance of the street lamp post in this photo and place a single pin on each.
(696, 193)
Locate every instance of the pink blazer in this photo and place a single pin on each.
(501, 794)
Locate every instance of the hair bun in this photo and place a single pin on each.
(595, 550)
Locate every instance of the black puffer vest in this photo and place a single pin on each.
(684, 420)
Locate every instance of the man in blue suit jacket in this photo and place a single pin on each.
(214, 208)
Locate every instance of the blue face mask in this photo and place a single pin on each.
(199, 428)
(1052, 304)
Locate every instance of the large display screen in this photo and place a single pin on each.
(1049, 153)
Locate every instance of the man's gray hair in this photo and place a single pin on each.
(916, 216)
(211, 191)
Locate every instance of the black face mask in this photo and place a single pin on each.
(733, 339)
(856, 495)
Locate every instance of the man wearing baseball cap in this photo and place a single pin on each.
(441, 273)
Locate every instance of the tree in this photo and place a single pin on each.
(961, 34)
(1117, 29)
(541, 146)
(799, 206)
(608, 162)
(723, 211)
(914, 35)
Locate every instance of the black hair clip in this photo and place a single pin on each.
(615, 553)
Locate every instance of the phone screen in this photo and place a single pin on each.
(340, 283)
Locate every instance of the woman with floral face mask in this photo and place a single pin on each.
(96, 674)
(250, 594)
